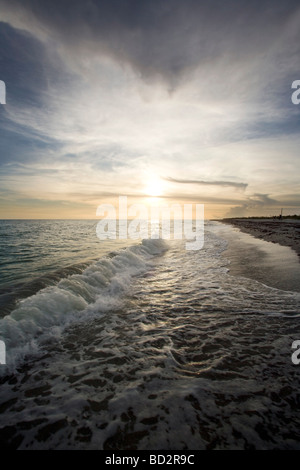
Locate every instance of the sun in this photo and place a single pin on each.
(154, 187)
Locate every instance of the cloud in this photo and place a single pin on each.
(29, 67)
(208, 183)
(100, 91)
(255, 204)
(162, 39)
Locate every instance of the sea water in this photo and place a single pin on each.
(143, 344)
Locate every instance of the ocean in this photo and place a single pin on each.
(142, 344)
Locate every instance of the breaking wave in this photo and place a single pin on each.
(99, 288)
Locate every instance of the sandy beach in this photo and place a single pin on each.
(286, 232)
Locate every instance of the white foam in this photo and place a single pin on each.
(98, 289)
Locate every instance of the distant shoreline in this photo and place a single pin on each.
(285, 231)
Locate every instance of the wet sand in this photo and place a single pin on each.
(285, 232)
(272, 264)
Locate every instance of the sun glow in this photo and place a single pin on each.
(154, 187)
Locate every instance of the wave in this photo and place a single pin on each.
(11, 294)
(98, 289)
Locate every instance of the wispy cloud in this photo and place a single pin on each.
(231, 184)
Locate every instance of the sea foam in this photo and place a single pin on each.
(98, 289)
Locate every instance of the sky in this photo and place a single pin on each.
(179, 101)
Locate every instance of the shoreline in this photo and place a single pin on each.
(271, 264)
(285, 232)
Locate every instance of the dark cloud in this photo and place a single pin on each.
(261, 199)
(29, 71)
(27, 67)
(21, 65)
(257, 203)
(162, 38)
(209, 183)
